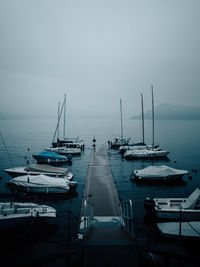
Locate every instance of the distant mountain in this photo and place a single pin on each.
(172, 112)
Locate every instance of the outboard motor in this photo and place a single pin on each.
(149, 204)
(69, 157)
(73, 185)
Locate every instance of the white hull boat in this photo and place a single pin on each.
(65, 150)
(36, 169)
(123, 149)
(41, 184)
(17, 213)
(183, 230)
(158, 173)
(145, 154)
(117, 143)
(184, 209)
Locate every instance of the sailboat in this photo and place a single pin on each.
(65, 146)
(118, 142)
(151, 151)
(141, 145)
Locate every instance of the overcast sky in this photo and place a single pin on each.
(98, 51)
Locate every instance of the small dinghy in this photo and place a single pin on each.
(184, 209)
(158, 173)
(36, 169)
(183, 230)
(16, 213)
(49, 157)
(41, 184)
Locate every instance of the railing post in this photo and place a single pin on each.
(180, 218)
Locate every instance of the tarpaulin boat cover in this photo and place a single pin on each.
(40, 181)
(46, 168)
(159, 171)
(49, 155)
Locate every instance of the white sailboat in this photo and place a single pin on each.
(118, 142)
(73, 145)
(153, 152)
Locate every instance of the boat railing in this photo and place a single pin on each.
(127, 217)
(87, 218)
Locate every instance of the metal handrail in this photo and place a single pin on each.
(88, 212)
(127, 216)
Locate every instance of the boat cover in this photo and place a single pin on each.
(49, 155)
(46, 168)
(188, 229)
(40, 181)
(191, 200)
(159, 171)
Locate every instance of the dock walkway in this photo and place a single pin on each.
(101, 191)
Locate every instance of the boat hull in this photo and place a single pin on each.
(176, 215)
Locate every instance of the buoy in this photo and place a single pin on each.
(27, 161)
(28, 149)
(190, 176)
(175, 161)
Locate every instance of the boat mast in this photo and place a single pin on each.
(58, 120)
(64, 117)
(142, 118)
(121, 119)
(152, 116)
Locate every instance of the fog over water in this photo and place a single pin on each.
(97, 52)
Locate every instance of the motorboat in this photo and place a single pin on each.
(74, 150)
(184, 209)
(182, 230)
(50, 157)
(41, 184)
(158, 173)
(17, 213)
(36, 169)
(145, 154)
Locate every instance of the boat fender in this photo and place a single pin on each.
(27, 161)
(195, 170)
(190, 176)
(149, 203)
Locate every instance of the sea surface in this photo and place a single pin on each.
(21, 138)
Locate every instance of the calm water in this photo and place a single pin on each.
(181, 138)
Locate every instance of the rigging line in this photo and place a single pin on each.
(7, 151)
